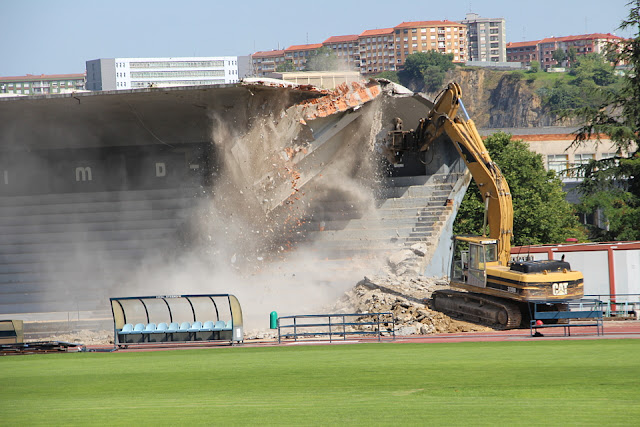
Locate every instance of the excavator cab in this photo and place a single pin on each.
(472, 254)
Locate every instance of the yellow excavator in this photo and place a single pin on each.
(498, 291)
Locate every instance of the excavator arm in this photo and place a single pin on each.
(444, 119)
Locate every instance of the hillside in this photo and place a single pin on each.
(500, 99)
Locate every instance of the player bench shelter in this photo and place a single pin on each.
(176, 319)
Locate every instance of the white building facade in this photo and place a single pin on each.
(136, 73)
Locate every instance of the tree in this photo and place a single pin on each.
(572, 54)
(534, 67)
(389, 75)
(559, 55)
(593, 67)
(541, 213)
(323, 59)
(425, 70)
(285, 67)
(612, 186)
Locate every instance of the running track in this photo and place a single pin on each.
(612, 330)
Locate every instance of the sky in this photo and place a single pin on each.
(59, 36)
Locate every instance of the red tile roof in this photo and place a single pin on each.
(378, 32)
(341, 39)
(428, 24)
(30, 77)
(304, 47)
(268, 53)
(594, 36)
(522, 44)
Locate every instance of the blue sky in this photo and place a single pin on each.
(58, 36)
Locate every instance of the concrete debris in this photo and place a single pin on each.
(419, 249)
(408, 298)
(84, 336)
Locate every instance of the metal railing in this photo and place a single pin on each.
(336, 325)
(618, 305)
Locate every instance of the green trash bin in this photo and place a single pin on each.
(273, 320)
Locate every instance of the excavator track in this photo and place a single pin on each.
(497, 312)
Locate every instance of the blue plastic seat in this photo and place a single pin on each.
(219, 325)
(150, 328)
(227, 326)
(138, 328)
(184, 326)
(162, 328)
(126, 329)
(207, 326)
(173, 327)
(195, 327)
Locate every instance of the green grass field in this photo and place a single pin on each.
(499, 383)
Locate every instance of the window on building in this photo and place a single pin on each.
(579, 160)
(558, 163)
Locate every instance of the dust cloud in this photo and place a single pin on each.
(270, 259)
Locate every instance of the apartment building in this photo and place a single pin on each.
(299, 54)
(542, 50)
(377, 51)
(446, 37)
(43, 84)
(523, 52)
(135, 73)
(346, 48)
(266, 62)
(486, 37)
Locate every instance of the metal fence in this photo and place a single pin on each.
(332, 326)
(618, 305)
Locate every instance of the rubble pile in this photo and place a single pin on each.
(85, 336)
(408, 298)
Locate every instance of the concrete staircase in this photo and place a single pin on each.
(408, 210)
(55, 247)
(68, 252)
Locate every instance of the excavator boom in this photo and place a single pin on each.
(499, 290)
(443, 118)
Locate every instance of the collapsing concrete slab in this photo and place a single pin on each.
(105, 194)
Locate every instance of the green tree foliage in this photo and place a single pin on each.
(389, 75)
(425, 70)
(558, 55)
(286, 67)
(534, 67)
(541, 213)
(594, 67)
(613, 186)
(323, 59)
(591, 79)
(572, 54)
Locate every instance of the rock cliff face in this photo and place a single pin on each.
(499, 99)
